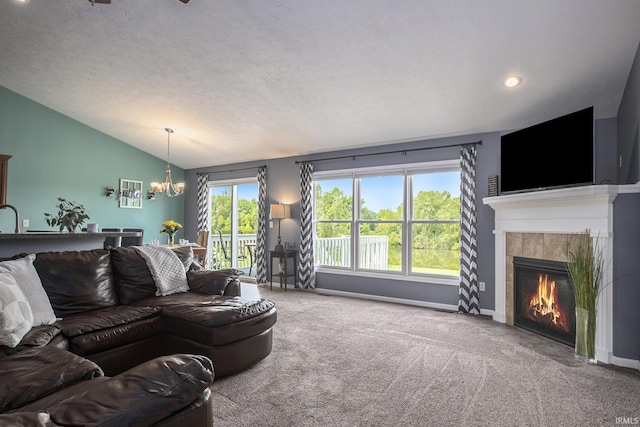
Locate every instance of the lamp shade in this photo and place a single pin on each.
(280, 211)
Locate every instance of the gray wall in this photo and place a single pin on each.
(629, 127)
(626, 280)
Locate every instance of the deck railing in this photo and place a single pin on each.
(336, 252)
(246, 247)
(332, 251)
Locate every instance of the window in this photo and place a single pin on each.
(333, 211)
(406, 221)
(234, 221)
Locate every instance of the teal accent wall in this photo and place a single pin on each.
(54, 155)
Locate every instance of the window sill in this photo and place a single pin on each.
(438, 280)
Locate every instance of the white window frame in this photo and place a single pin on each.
(233, 183)
(407, 171)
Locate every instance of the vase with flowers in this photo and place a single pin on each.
(170, 227)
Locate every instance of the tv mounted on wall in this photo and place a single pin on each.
(554, 154)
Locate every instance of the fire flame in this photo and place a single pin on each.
(543, 307)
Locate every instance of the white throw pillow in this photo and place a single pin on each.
(16, 317)
(26, 276)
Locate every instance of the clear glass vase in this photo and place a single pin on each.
(585, 335)
(170, 239)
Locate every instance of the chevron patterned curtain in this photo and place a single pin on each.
(468, 298)
(203, 205)
(203, 208)
(306, 269)
(261, 238)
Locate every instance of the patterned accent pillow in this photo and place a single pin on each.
(16, 317)
(26, 276)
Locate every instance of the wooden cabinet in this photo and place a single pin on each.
(4, 165)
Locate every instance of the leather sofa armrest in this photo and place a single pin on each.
(214, 282)
(31, 374)
(143, 395)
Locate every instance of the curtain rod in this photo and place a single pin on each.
(231, 170)
(404, 152)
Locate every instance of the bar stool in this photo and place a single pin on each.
(111, 242)
(132, 241)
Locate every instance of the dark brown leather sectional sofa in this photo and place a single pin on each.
(114, 327)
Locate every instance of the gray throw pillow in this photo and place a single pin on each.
(26, 276)
(16, 318)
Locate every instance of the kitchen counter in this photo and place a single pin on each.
(36, 235)
(45, 241)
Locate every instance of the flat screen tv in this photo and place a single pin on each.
(554, 154)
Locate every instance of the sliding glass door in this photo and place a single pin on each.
(234, 221)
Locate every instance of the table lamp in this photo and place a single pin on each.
(280, 211)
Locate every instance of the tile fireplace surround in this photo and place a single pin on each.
(537, 225)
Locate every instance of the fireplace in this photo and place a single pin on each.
(543, 299)
(527, 224)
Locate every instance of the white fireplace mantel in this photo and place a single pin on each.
(568, 210)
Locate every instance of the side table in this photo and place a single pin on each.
(283, 258)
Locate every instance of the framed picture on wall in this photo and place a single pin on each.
(130, 194)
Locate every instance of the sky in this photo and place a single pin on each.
(245, 191)
(385, 192)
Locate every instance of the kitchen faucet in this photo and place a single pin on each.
(17, 216)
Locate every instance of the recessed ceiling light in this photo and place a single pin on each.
(513, 81)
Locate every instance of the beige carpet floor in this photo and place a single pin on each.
(340, 361)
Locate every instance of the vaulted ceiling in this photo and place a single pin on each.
(241, 80)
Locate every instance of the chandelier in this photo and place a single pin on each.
(168, 187)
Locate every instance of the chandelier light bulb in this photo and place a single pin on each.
(168, 188)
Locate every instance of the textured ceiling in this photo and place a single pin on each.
(243, 80)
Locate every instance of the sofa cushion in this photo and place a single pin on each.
(211, 282)
(34, 373)
(37, 336)
(16, 318)
(214, 320)
(54, 398)
(77, 281)
(27, 277)
(132, 276)
(103, 329)
(185, 254)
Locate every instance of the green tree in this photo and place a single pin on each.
(247, 216)
(221, 214)
(436, 205)
(332, 205)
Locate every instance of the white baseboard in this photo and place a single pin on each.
(427, 304)
(625, 363)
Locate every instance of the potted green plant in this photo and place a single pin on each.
(70, 215)
(585, 265)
